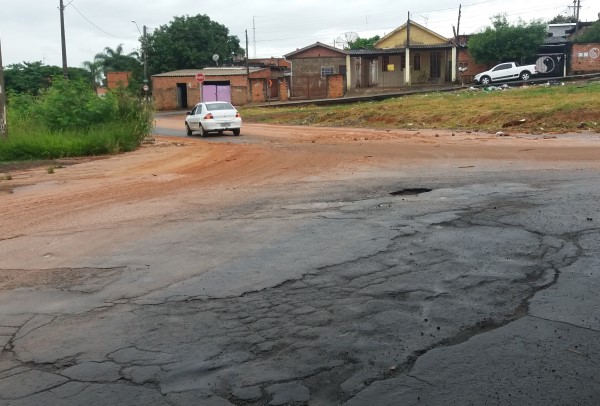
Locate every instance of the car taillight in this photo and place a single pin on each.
(237, 115)
(209, 116)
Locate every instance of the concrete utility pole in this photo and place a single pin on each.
(248, 90)
(144, 50)
(3, 120)
(144, 43)
(254, 34)
(62, 37)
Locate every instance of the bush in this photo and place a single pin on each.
(74, 105)
(69, 120)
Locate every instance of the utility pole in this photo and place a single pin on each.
(144, 50)
(62, 37)
(249, 90)
(3, 119)
(456, 34)
(254, 34)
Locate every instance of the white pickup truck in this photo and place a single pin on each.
(506, 71)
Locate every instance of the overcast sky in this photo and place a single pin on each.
(30, 29)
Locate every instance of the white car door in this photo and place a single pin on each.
(501, 72)
(194, 118)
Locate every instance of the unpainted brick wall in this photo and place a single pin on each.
(335, 86)
(258, 90)
(585, 58)
(117, 79)
(283, 90)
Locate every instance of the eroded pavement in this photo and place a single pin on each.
(483, 291)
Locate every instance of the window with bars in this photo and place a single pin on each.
(326, 71)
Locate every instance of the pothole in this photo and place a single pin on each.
(411, 191)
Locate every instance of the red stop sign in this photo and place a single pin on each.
(200, 77)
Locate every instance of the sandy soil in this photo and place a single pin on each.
(146, 185)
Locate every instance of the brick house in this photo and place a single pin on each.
(312, 69)
(179, 89)
(409, 55)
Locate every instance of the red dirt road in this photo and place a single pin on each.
(152, 184)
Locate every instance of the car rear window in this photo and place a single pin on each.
(218, 106)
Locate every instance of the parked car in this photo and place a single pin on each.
(213, 117)
(506, 71)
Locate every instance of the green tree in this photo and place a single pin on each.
(95, 69)
(503, 42)
(33, 77)
(190, 42)
(590, 35)
(364, 43)
(562, 19)
(115, 60)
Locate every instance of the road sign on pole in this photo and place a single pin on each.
(200, 77)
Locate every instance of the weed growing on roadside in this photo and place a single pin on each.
(69, 120)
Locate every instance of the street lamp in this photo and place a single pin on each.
(143, 35)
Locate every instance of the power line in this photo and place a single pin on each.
(94, 25)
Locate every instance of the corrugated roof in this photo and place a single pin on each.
(555, 40)
(228, 71)
(388, 51)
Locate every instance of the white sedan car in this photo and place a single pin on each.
(213, 117)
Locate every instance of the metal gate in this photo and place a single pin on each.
(216, 92)
(550, 65)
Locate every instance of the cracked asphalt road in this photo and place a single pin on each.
(278, 269)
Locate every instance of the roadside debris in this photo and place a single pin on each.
(514, 123)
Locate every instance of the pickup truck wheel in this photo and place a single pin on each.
(486, 80)
(525, 75)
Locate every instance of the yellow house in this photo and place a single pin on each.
(409, 55)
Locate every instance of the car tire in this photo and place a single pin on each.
(486, 80)
(203, 132)
(188, 130)
(237, 132)
(525, 76)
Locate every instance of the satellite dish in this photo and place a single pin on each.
(216, 59)
(344, 41)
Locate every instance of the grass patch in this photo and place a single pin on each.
(25, 144)
(572, 107)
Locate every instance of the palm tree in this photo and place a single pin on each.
(96, 71)
(116, 60)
